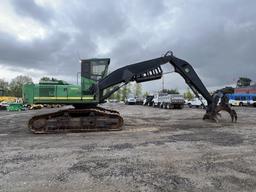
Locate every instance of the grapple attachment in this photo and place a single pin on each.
(213, 110)
(216, 113)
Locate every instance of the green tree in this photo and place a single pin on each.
(118, 95)
(108, 90)
(171, 91)
(49, 79)
(145, 94)
(243, 82)
(4, 87)
(188, 94)
(129, 88)
(138, 90)
(45, 79)
(112, 96)
(125, 90)
(121, 93)
(17, 84)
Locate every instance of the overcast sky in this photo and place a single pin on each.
(47, 37)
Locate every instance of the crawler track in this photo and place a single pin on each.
(77, 120)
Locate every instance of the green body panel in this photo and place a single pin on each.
(54, 94)
(86, 84)
(59, 92)
(28, 93)
(74, 91)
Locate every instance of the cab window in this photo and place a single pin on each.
(98, 69)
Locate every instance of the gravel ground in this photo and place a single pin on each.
(157, 150)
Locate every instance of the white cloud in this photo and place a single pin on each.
(24, 29)
(55, 4)
(8, 73)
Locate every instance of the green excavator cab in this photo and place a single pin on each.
(92, 70)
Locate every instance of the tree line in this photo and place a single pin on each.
(129, 89)
(14, 87)
(136, 90)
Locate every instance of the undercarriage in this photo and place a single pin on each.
(77, 120)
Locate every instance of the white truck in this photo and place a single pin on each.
(198, 103)
(168, 101)
(130, 100)
(139, 100)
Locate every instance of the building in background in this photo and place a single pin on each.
(249, 89)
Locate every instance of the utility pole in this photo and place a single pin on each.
(162, 83)
(77, 77)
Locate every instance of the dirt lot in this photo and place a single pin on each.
(158, 150)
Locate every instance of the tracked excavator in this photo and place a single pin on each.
(97, 86)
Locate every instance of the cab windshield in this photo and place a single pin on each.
(98, 69)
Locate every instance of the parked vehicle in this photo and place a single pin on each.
(168, 101)
(3, 105)
(112, 101)
(130, 100)
(148, 100)
(196, 102)
(242, 99)
(139, 100)
(15, 107)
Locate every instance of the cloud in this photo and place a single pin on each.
(27, 54)
(29, 8)
(216, 37)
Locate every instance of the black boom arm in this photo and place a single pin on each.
(151, 70)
